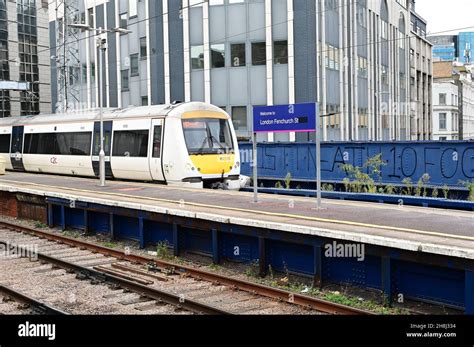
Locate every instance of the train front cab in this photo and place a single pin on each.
(210, 146)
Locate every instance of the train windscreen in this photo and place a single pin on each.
(208, 136)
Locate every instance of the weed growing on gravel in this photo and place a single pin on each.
(253, 270)
(40, 225)
(163, 251)
(72, 233)
(110, 244)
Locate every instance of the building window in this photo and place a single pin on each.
(123, 20)
(237, 52)
(218, 55)
(280, 52)
(384, 29)
(134, 68)
(133, 8)
(402, 81)
(384, 75)
(442, 121)
(90, 17)
(92, 73)
(125, 80)
(195, 3)
(28, 54)
(239, 117)
(84, 73)
(259, 53)
(144, 100)
(362, 67)
(143, 48)
(197, 57)
(4, 66)
(442, 99)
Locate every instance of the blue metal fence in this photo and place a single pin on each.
(446, 162)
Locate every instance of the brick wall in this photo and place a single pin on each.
(8, 204)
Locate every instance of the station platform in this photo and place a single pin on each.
(417, 229)
(405, 245)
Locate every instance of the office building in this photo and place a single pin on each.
(351, 56)
(24, 58)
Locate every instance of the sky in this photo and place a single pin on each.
(444, 15)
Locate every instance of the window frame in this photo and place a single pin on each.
(258, 44)
(240, 128)
(213, 62)
(127, 88)
(445, 116)
(136, 57)
(233, 57)
(145, 40)
(283, 60)
(201, 64)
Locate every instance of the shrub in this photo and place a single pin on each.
(408, 186)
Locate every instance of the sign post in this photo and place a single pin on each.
(285, 119)
(318, 161)
(254, 163)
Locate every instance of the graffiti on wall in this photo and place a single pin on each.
(446, 162)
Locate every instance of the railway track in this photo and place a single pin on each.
(15, 302)
(157, 281)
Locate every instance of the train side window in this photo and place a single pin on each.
(131, 143)
(58, 143)
(5, 143)
(157, 142)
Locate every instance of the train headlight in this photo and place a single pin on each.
(190, 167)
(237, 165)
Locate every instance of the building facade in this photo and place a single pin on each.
(453, 47)
(446, 111)
(421, 80)
(24, 57)
(466, 47)
(445, 47)
(453, 94)
(351, 56)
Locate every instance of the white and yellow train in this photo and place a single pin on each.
(187, 144)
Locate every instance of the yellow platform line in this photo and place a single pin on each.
(266, 213)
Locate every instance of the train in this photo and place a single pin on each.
(191, 144)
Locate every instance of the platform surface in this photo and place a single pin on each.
(428, 230)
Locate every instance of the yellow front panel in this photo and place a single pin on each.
(213, 164)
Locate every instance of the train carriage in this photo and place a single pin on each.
(187, 144)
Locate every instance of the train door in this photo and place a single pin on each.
(156, 150)
(16, 150)
(107, 146)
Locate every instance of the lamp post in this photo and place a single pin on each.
(102, 46)
(101, 42)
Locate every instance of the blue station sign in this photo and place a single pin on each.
(285, 118)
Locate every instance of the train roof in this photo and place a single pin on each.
(94, 115)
